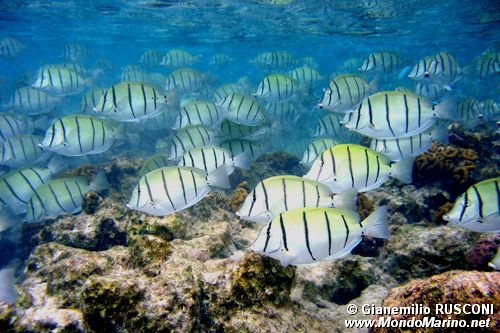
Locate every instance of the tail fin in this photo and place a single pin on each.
(402, 170)
(403, 72)
(56, 164)
(7, 218)
(219, 178)
(242, 160)
(8, 292)
(100, 182)
(446, 109)
(440, 133)
(41, 123)
(375, 225)
(346, 199)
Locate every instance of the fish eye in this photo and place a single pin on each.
(426, 75)
(467, 203)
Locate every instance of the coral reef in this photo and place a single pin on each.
(426, 251)
(454, 287)
(449, 165)
(483, 251)
(238, 197)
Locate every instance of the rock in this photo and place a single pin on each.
(259, 280)
(417, 252)
(483, 251)
(91, 201)
(238, 197)
(454, 287)
(6, 317)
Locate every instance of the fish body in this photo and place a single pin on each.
(198, 112)
(177, 58)
(347, 166)
(307, 235)
(478, 208)
(344, 93)
(60, 80)
(78, 135)
(276, 195)
(381, 62)
(242, 109)
(32, 101)
(132, 101)
(190, 137)
(23, 150)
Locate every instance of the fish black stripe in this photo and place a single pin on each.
(387, 117)
(79, 188)
(359, 115)
(378, 169)
(182, 185)
(497, 191)
(284, 193)
(419, 111)
(406, 113)
(26, 179)
(70, 195)
(166, 189)
(78, 134)
(268, 235)
(129, 93)
(306, 234)
(144, 98)
(367, 167)
(350, 166)
(329, 232)
(38, 175)
(466, 199)
(283, 232)
(266, 199)
(480, 200)
(148, 187)
(317, 196)
(93, 133)
(347, 230)
(55, 197)
(194, 183)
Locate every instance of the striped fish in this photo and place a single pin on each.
(307, 235)
(242, 109)
(132, 101)
(440, 69)
(78, 135)
(60, 81)
(344, 93)
(231, 130)
(277, 88)
(178, 58)
(490, 110)
(32, 101)
(469, 113)
(198, 112)
(274, 60)
(284, 112)
(188, 138)
(478, 209)
(347, 166)
(185, 80)
(17, 187)
(75, 52)
(420, 69)
(10, 47)
(331, 126)
(275, 195)
(309, 61)
(239, 146)
(155, 162)
(63, 195)
(151, 58)
(305, 76)
(485, 66)
(211, 158)
(23, 150)
(219, 59)
(396, 114)
(171, 189)
(91, 99)
(412, 146)
(14, 124)
(135, 73)
(381, 62)
(434, 92)
(226, 89)
(316, 148)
